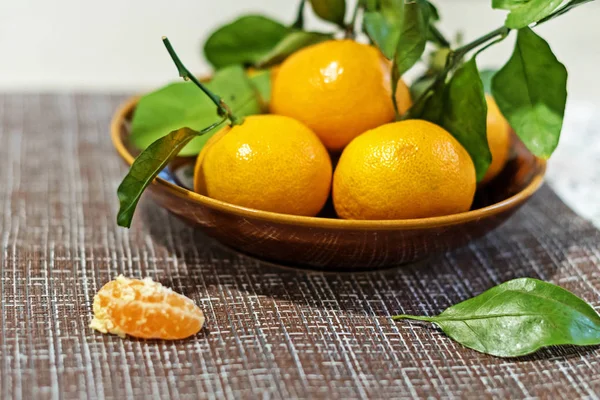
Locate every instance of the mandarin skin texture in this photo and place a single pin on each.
(270, 163)
(339, 89)
(403, 170)
(499, 139)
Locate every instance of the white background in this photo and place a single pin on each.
(114, 45)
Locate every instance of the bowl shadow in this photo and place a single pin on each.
(426, 287)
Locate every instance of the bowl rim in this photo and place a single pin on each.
(319, 222)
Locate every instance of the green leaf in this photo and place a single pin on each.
(418, 88)
(261, 81)
(564, 9)
(244, 41)
(508, 4)
(330, 10)
(518, 318)
(291, 43)
(413, 38)
(459, 106)
(434, 14)
(465, 115)
(429, 105)
(183, 104)
(525, 12)
(147, 166)
(486, 78)
(383, 25)
(299, 22)
(435, 36)
(531, 91)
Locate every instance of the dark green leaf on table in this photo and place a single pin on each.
(383, 24)
(531, 91)
(330, 10)
(147, 166)
(518, 318)
(486, 78)
(291, 43)
(244, 41)
(525, 12)
(465, 115)
(183, 104)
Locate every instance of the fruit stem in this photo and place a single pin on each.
(439, 36)
(299, 23)
(412, 317)
(562, 10)
(350, 28)
(222, 108)
(454, 58)
(459, 53)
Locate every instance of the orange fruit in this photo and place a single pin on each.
(338, 88)
(403, 170)
(270, 163)
(403, 99)
(499, 139)
(145, 309)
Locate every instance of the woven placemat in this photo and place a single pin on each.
(270, 332)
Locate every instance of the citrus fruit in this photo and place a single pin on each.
(403, 170)
(499, 139)
(270, 163)
(338, 88)
(145, 309)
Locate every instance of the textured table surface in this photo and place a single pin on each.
(270, 332)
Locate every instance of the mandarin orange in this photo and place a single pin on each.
(145, 309)
(403, 170)
(339, 89)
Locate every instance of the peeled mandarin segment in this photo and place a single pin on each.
(403, 170)
(499, 139)
(145, 309)
(338, 88)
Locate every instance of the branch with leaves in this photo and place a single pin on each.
(530, 90)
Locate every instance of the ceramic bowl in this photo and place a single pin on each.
(325, 242)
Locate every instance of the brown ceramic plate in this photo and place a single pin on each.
(326, 242)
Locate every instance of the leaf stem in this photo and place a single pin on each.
(412, 317)
(564, 9)
(350, 28)
(222, 107)
(299, 23)
(456, 56)
(503, 31)
(439, 35)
